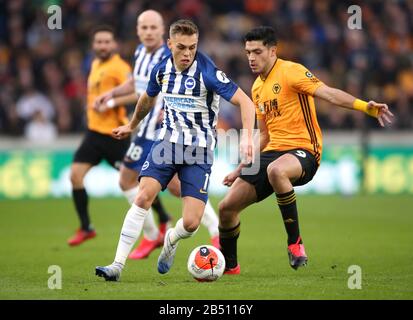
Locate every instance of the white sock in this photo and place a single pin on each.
(150, 230)
(179, 232)
(130, 194)
(210, 220)
(131, 229)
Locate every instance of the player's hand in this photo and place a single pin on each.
(100, 102)
(246, 150)
(102, 107)
(230, 178)
(122, 132)
(383, 113)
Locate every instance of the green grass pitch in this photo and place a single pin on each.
(373, 232)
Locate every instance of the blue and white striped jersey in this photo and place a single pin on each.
(191, 100)
(144, 63)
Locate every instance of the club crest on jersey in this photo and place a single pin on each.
(276, 88)
(190, 83)
(145, 165)
(221, 76)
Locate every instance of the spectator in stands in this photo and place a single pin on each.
(374, 61)
(40, 130)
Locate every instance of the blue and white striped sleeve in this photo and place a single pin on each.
(217, 81)
(154, 86)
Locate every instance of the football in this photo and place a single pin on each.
(206, 263)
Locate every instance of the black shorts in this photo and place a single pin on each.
(96, 147)
(260, 181)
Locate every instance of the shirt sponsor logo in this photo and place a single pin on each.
(270, 108)
(180, 103)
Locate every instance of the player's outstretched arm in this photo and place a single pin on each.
(143, 106)
(126, 99)
(343, 99)
(248, 120)
(114, 97)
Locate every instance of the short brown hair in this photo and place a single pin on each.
(103, 28)
(184, 27)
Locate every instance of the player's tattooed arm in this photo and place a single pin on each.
(144, 105)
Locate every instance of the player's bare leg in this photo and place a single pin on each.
(210, 221)
(174, 186)
(192, 211)
(132, 227)
(281, 173)
(165, 219)
(240, 195)
(209, 218)
(128, 183)
(80, 198)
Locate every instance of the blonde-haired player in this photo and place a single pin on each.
(150, 31)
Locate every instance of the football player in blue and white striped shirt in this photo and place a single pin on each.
(191, 85)
(150, 30)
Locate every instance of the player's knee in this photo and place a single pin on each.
(126, 184)
(275, 172)
(76, 178)
(227, 212)
(143, 199)
(225, 206)
(191, 225)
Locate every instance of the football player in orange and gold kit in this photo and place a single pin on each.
(108, 71)
(290, 142)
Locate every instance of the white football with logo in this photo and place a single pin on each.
(206, 263)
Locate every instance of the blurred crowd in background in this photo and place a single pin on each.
(43, 73)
